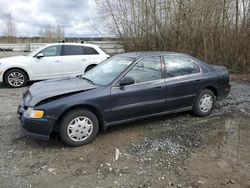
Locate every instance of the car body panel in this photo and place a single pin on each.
(181, 91)
(47, 89)
(149, 96)
(71, 65)
(46, 68)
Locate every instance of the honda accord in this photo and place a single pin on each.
(124, 88)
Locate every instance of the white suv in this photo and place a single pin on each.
(51, 61)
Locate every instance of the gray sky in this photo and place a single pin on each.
(30, 16)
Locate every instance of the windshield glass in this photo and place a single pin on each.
(107, 71)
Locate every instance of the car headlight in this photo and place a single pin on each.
(35, 113)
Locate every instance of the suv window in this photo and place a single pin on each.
(72, 50)
(177, 66)
(147, 69)
(52, 51)
(89, 50)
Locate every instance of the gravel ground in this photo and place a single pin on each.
(177, 150)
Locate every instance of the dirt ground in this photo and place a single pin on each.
(170, 151)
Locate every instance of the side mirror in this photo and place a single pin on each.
(126, 81)
(39, 55)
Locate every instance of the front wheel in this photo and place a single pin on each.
(79, 127)
(15, 78)
(204, 103)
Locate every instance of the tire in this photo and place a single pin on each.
(78, 127)
(89, 67)
(204, 103)
(15, 78)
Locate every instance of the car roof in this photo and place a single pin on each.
(74, 44)
(138, 55)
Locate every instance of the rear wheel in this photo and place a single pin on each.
(204, 103)
(15, 78)
(79, 127)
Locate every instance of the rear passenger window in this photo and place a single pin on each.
(177, 66)
(89, 50)
(72, 50)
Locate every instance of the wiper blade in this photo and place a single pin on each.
(79, 75)
(88, 80)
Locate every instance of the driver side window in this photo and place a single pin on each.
(52, 51)
(147, 69)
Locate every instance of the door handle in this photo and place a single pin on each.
(84, 59)
(197, 80)
(57, 61)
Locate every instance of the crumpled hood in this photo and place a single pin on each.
(13, 59)
(51, 88)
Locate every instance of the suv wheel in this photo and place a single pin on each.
(15, 78)
(79, 127)
(204, 103)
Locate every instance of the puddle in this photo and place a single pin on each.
(225, 160)
(231, 140)
(236, 142)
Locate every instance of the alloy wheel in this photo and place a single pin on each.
(16, 79)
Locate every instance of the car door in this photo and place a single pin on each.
(145, 97)
(74, 60)
(49, 65)
(183, 81)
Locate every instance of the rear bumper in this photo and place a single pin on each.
(223, 92)
(35, 128)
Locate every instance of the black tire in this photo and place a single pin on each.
(197, 109)
(89, 67)
(69, 117)
(21, 75)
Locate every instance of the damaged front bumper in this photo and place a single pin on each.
(35, 128)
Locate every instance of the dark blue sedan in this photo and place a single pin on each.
(124, 88)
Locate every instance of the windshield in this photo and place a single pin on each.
(107, 71)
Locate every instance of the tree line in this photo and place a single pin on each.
(217, 31)
(50, 33)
